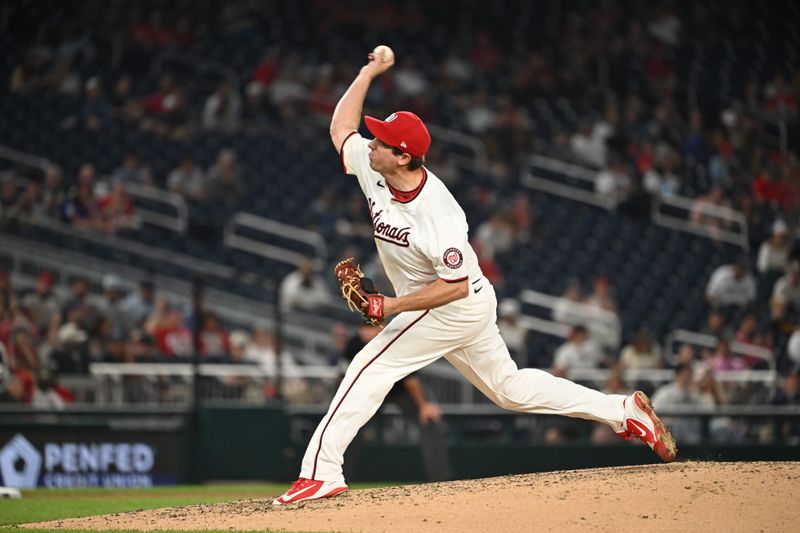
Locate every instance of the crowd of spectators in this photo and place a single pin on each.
(638, 123)
(105, 204)
(52, 329)
(603, 86)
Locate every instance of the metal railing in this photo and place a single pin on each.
(535, 176)
(713, 221)
(136, 383)
(682, 336)
(170, 383)
(603, 325)
(177, 221)
(662, 375)
(312, 239)
(25, 159)
(191, 263)
(576, 182)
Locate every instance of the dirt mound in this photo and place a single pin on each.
(688, 496)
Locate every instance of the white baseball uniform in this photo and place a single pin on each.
(419, 241)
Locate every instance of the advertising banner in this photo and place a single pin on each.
(95, 458)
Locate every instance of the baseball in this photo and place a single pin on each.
(384, 53)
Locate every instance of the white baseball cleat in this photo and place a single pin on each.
(641, 422)
(310, 489)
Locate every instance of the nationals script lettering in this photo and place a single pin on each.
(387, 232)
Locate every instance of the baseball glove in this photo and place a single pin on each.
(359, 292)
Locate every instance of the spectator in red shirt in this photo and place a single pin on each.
(213, 340)
(172, 337)
(765, 188)
(267, 71)
(116, 209)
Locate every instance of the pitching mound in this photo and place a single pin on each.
(688, 496)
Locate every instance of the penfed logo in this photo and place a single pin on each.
(20, 463)
(76, 464)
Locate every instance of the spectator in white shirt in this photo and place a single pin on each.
(578, 352)
(614, 183)
(223, 109)
(787, 288)
(303, 289)
(570, 308)
(773, 254)
(188, 180)
(260, 349)
(682, 392)
(731, 285)
(642, 352)
(514, 333)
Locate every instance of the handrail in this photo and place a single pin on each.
(30, 160)
(709, 341)
(196, 264)
(702, 229)
(531, 179)
(84, 409)
(564, 167)
(314, 409)
(252, 370)
(177, 368)
(177, 223)
(494, 410)
(663, 375)
(271, 251)
(548, 327)
(538, 183)
(603, 324)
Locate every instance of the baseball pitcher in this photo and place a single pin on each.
(444, 306)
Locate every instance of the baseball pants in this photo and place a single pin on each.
(470, 341)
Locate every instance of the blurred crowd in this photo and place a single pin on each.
(52, 329)
(105, 204)
(610, 92)
(613, 87)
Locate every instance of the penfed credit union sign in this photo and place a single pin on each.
(28, 461)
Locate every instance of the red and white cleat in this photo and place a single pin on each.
(309, 489)
(641, 422)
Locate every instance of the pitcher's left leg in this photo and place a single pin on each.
(488, 365)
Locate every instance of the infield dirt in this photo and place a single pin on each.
(683, 496)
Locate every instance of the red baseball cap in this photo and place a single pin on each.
(403, 130)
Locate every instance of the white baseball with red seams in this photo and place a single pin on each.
(383, 52)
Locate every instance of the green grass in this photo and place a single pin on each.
(136, 531)
(40, 505)
(46, 504)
